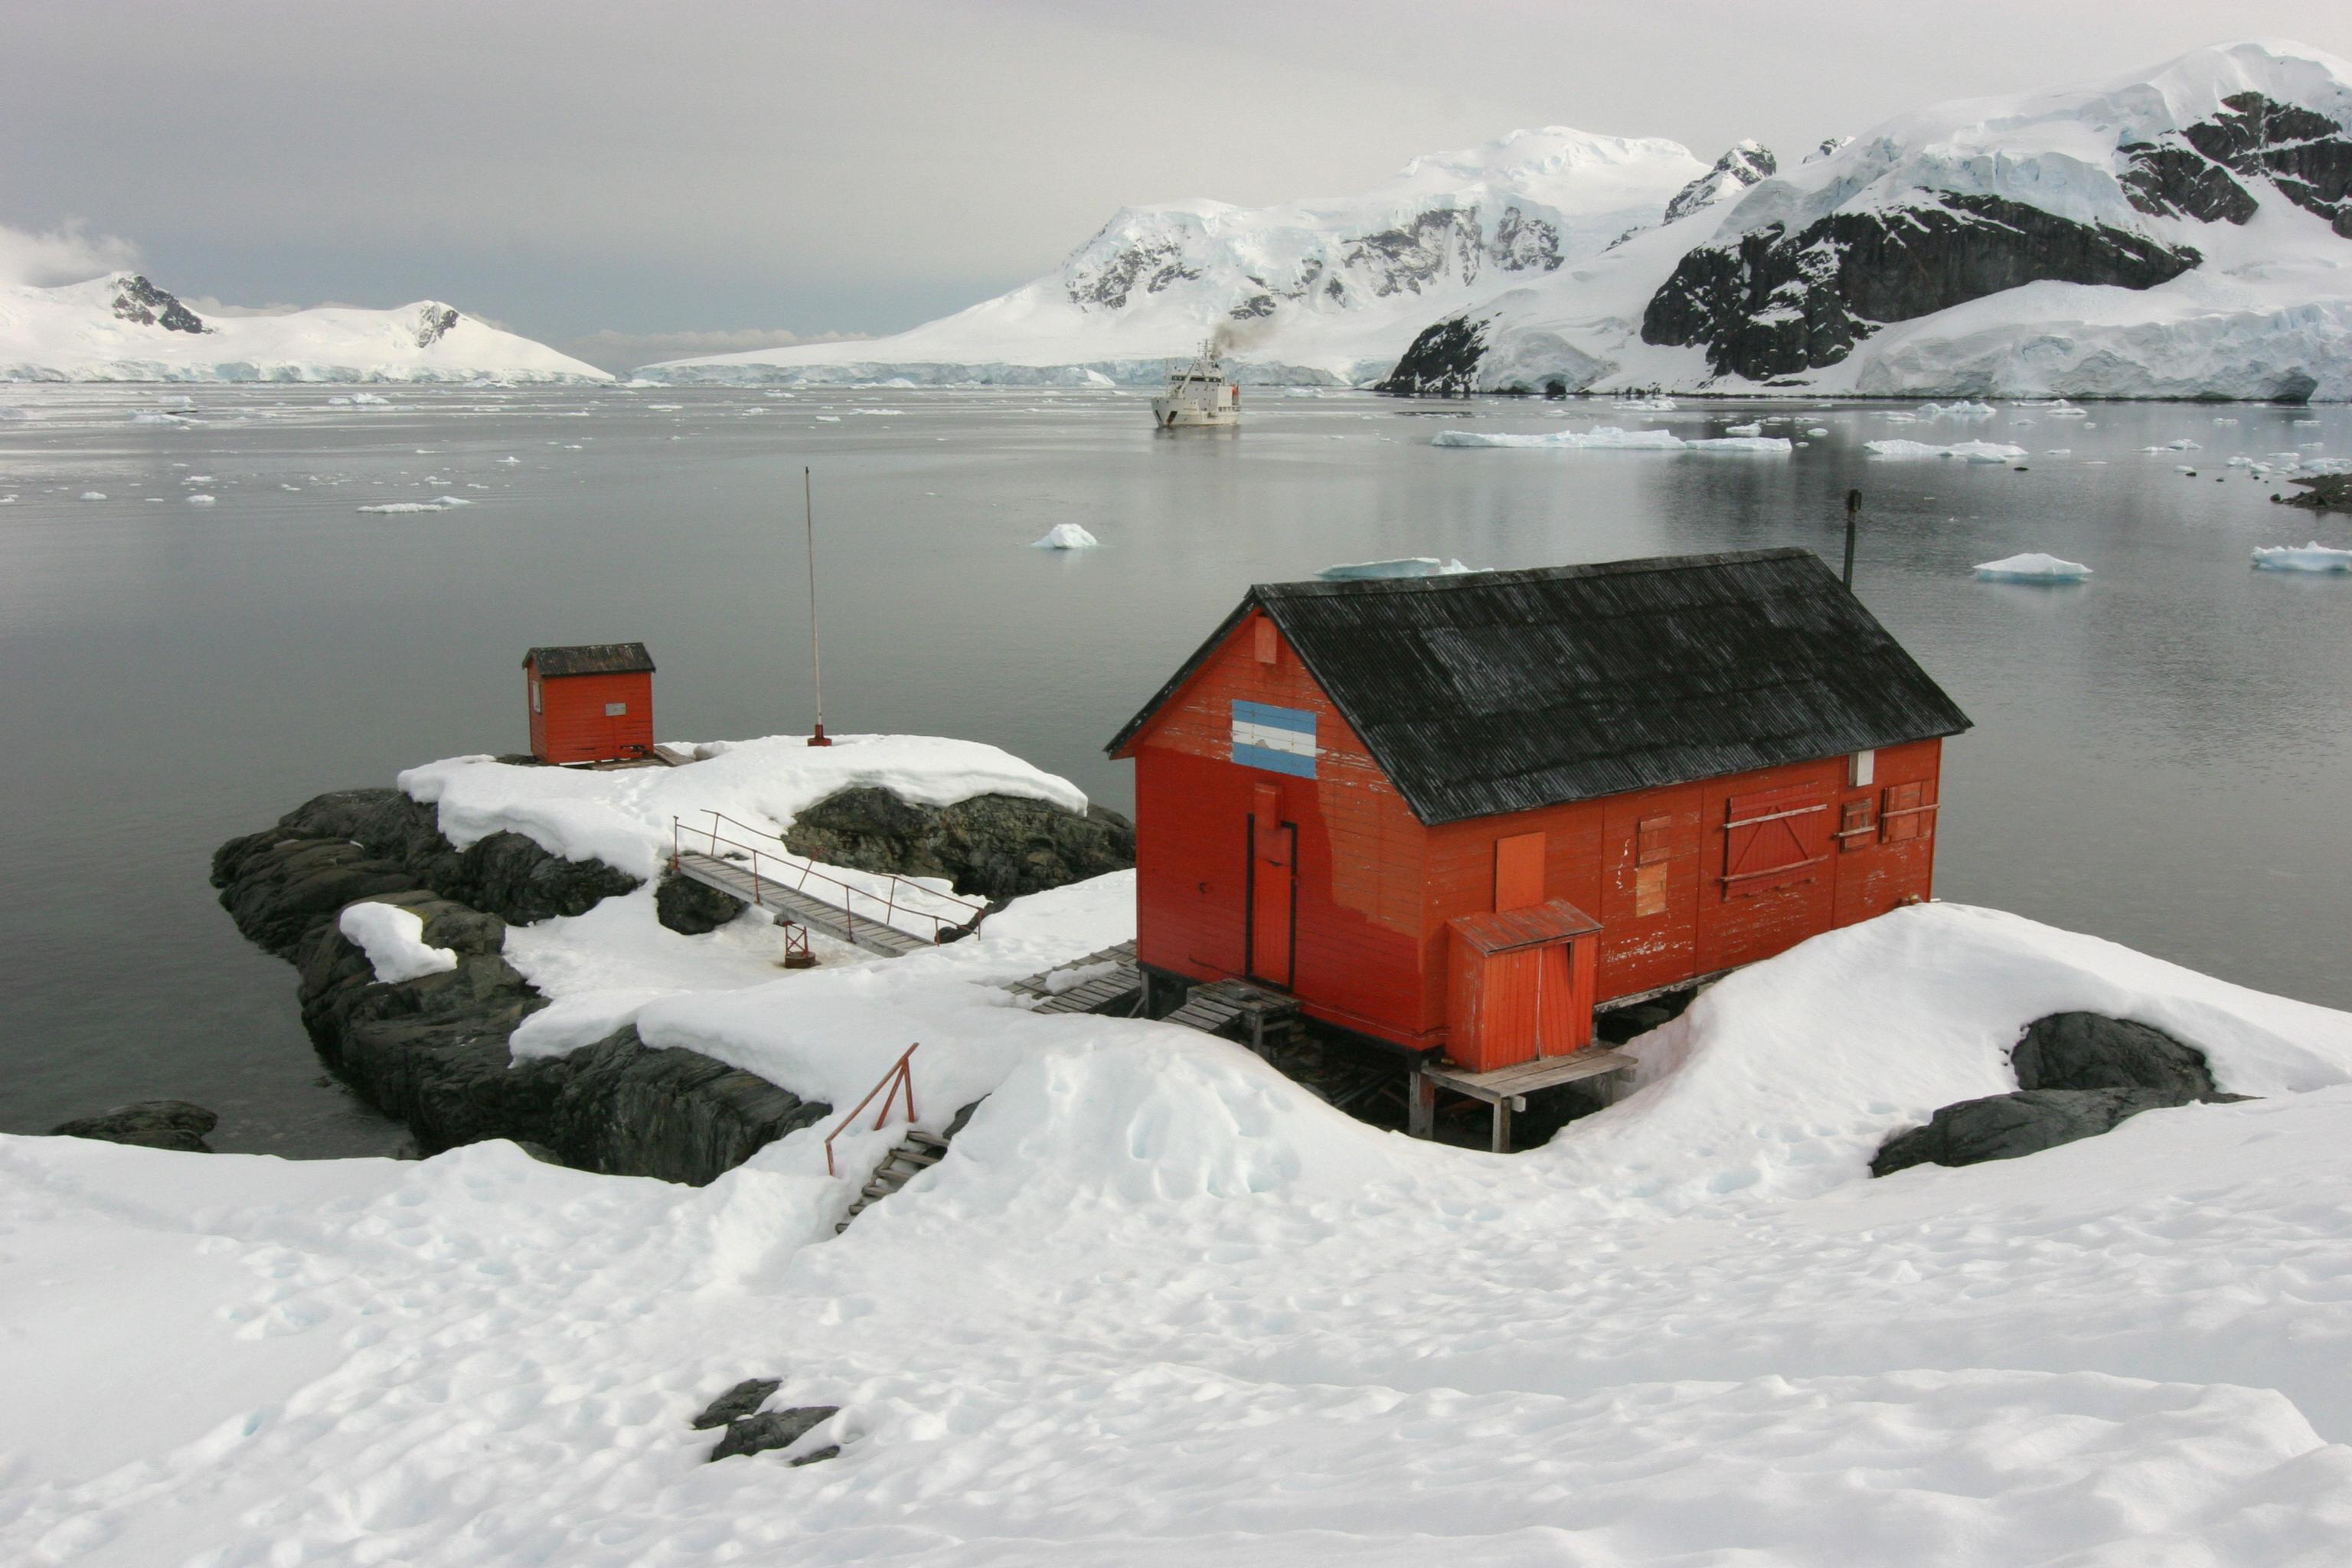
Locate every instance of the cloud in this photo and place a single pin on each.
(65, 254)
(626, 351)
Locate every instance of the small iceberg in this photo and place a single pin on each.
(1743, 429)
(93, 495)
(202, 500)
(1644, 405)
(405, 506)
(1968, 451)
(1067, 536)
(1404, 566)
(1610, 439)
(2033, 568)
(2311, 557)
(1963, 409)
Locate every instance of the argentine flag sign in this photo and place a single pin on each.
(1280, 740)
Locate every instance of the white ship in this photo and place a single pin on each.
(1199, 393)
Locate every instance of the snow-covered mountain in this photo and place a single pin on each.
(1324, 290)
(2185, 232)
(123, 328)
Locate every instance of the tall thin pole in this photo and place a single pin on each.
(816, 659)
(1853, 511)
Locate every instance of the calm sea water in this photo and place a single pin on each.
(2161, 756)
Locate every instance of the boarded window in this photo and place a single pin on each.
(1909, 813)
(615, 710)
(1652, 847)
(1773, 838)
(1267, 642)
(1519, 871)
(1855, 826)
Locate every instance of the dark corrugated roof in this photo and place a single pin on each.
(590, 658)
(1499, 691)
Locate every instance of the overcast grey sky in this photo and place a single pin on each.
(628, 180)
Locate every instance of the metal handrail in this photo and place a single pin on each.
(900, 1075)
(800, 870)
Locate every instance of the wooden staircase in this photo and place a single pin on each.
(915, 1153)
(1113, 984)
(1263, 1020)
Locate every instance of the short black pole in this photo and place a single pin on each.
(1853, 511)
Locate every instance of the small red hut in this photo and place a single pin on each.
(591, 703)
(1456, 815)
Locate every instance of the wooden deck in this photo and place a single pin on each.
(1236, 1010)
(1117, 990)
(736, 881)
(1507, 1088)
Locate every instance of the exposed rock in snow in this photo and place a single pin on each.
(1325, 291)
(2180, 233)
(1829, 144)
(1747, 163)
(148, 1124)
(124, 328)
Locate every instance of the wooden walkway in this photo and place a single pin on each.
(736, 881)
(1507, 1088)
(1238, 1010)
(1116, 990)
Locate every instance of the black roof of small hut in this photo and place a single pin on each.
(590, 659)
(1498, 691)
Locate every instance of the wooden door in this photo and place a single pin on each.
(1564, 996)
(1510, 1003)
(1274, 888)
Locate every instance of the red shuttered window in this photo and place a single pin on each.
(1773, 838)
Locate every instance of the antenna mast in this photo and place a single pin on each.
(816, 660)
(1852, 510)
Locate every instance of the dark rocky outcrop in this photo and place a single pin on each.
(2331, 493)
(2009, 1126)
(1746, 163)
(744, 1399)
(774, 1429)
(433, 322)
(1442, 360)
(692, 908)
(433, 1051)
(2080, 1074)
(2180, 181)
(150, 1124)
(995, 847)
(2090, 1051)
(351, 844)
(142, 303)
(1771, 303)
(2306, 157)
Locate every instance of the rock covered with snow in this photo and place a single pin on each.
(125, 328)
(2181, 232)
(394, 940)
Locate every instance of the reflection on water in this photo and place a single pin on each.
(2160, 753)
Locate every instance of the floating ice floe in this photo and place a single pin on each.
(1743, 429)
(1963, 409)
(1065, 536)
(93, 495)
(394, 940)
(10, 411)
(2062, 409)
(145, 417)
(1818, 431)
(359, 400)
(2311, 557)
(2031, 568)
(405, 506)
(1403, 566)
(1970, 451)
(1644, 405)
(1609, 438)
(2183, 444)
(202, 500)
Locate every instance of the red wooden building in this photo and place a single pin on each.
(591, 703)
(1456, 815)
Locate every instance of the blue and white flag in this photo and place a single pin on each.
(1280, 740)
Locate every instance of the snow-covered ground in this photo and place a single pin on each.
(1160, 1305)
(121, 328)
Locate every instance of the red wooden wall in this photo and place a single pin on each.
(1686, 880)
(568, 724)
